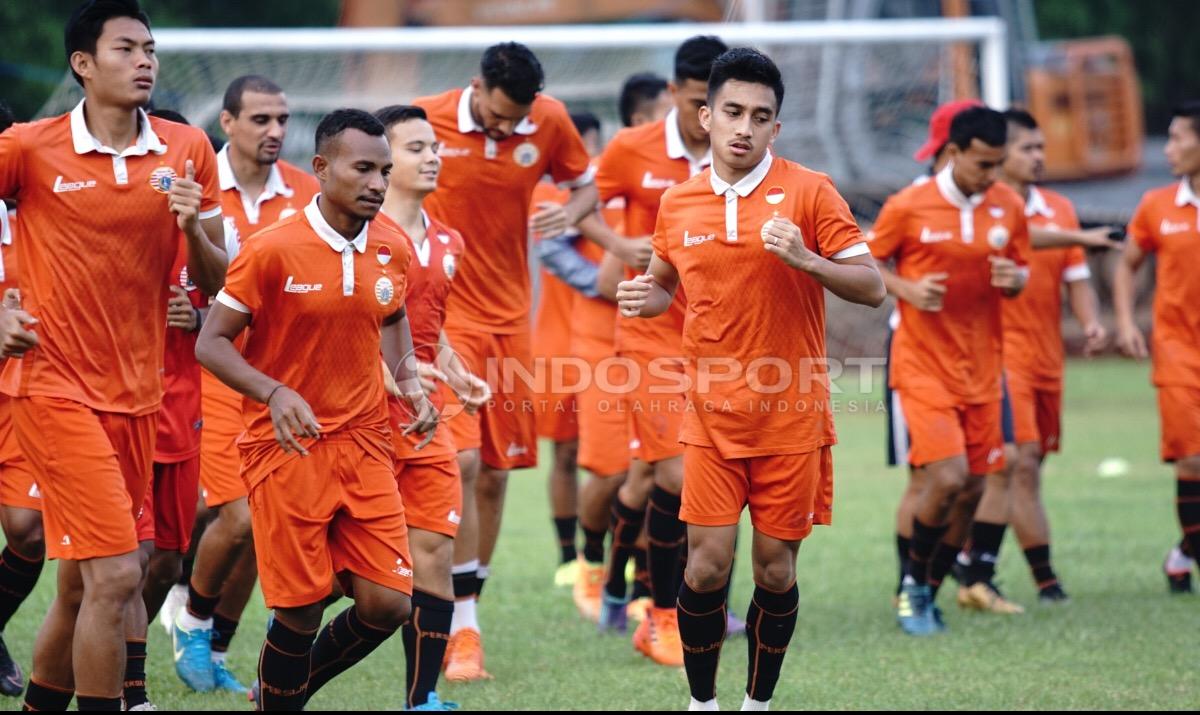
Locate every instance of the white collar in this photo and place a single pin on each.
(1036, 204)
(335, 240)
(275, 185)
(1186, 195)
(467, 124)
(748, 183)
(676, 149)
(5, 229)
(951, 192)
(85, 141)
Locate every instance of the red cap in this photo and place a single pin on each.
(939, 126)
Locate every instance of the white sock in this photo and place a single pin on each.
(483, 571)
(464, 616)
(752, 705)
(704, 706)
(218, 657)
(187, 622)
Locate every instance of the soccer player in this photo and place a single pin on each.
(429, 479)
(257, 189)
(639, 165)
(969, 235)
(1033, 348)
(499, 136)
(20, 501)
(761, 239)
(88, 386)
(323, 290)
(644, 99)
(1167, 224)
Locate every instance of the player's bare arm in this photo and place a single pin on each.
(397, 344)
(1099, 237)
(290, 414)
(1130, 340)
(610, 275)
(634, 253)
(472, 391)
(1085, 307)
(649, 294)
(925, 294)
(206, 237)
(855, 279)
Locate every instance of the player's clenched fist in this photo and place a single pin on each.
(783, 238)
(632, 295)
(16, 331)
(1007, 275)
(183, 198)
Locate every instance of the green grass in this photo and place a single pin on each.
(1122, 642)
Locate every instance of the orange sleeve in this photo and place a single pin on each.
(12, 163)
(1020, 249)
(1076, 258)
(1141, 229)
(609, 176)
(833, 223)
(887, 235)
(570, 163)
(205, 159)
(1068, 218)
(244, 278)
(659, 240)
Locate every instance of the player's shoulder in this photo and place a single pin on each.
(548, 110)
(298, 179)
(1160, 196)
(1005, 195)
(913, 195)
(179, 136)
(648, 134)
(435, 104)
(279, 235)
(1057, 202)
(41, 133)
(697, 186)
(797, 175)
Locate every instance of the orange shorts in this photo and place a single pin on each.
(432, 494)
(505, 430)
(1037, 414)
(169, 509)
(603, 423)
(220, 459)
(334, 512)
(937, 433)
(557, 417)
(18, 488)
(92, 468)
(655, 407)
(787, 494)
(1179, 412)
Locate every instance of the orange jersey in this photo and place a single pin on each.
(552, 323)
(1167, 223)
(759, 324)
(953, 356)
(484, 190)
(96, 275)
(1033, 343)
(179, 416)
(315, 323)
(638, 165)
(430, 276)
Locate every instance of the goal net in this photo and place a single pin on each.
(859, 92)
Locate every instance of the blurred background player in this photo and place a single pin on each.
(638, 165)
(644, 99)
(257, 189)
(90, 380)
(20, 501)
(429, 479)
(499, 135)
(945, 368)
(324, 290)
(761, 238)
(1167, 225)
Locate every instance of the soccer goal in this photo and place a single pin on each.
(859, 92)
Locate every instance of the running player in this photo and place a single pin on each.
(257, 189)
(761, 239)
(323, 290)
(1167, 224)
(88, 387)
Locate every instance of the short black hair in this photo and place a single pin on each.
(513, 68)
(394, 114)
(585, 122)
(1020, 118)
(639, 89)
(7, 118)
(87, 23)
(339, 120)
(1189, 109)
(982, 123)
(169, 114)
(745, 64)
(694, 58)
(246, 83)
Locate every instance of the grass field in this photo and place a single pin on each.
(1122, 642)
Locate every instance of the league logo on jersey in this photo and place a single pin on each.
(997, 237)
(384, 290)
(449, 265)
(526, 154)
(162, 178)
(775, 195)
(445, 240)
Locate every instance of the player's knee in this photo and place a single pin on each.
(165, 567)
(387, 612)
(469, 463)
(668, 474)
(775, 575)
(708, 572)
(116, 582)
(236, 523)
(491, 484)
(27, 538)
